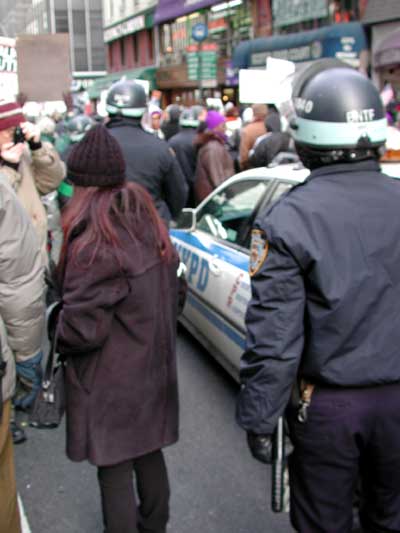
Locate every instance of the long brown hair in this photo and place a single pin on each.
(95, 213)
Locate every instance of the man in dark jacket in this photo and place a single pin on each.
(269, 145)
(183, 147)
(149, 161)
(324, 313)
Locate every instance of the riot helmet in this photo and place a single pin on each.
(190, 117)
(78, 126)
(126, 98)
(338, 115)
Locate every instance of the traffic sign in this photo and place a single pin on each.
(200, 32)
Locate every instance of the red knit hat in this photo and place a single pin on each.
(97, 160)
(11, 115)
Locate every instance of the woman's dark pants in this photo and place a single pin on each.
(121, 512)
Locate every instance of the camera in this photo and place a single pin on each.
(19, 136)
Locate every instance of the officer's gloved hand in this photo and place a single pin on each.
(260, 447)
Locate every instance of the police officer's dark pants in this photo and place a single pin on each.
(349, 434)
(121, 514)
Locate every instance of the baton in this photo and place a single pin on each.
(279, 481)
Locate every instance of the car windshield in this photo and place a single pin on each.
(227, 214)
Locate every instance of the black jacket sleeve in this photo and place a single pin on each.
(175, 187)
(275, 338)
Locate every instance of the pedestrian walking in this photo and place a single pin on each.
(21, 329)
(323, 320)
(214, 164)
(149, 161)
(117, 331)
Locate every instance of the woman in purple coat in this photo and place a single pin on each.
(117, 331)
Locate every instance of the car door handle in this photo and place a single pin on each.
(215, 269)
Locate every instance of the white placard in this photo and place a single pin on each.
(280, 68)
(257, 87)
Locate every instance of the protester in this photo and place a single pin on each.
(150, 162)
(21, 328)
(117, 330)
(170, 124)
(271, 144)
(214, 164)
(151, 121)
(251, 132)
(184, 149)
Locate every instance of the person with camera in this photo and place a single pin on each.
(32, 169)
(21, 328)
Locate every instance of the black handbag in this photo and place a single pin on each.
(49, 405)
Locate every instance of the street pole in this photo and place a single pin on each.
(200, 77)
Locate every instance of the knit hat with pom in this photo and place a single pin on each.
(97, 160)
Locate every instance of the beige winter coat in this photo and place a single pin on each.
(39, 172)
(22, 307)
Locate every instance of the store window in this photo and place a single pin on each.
(228, 24)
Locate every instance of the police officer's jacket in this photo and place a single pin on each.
(150, 162)
(185, 151)
(326, 300)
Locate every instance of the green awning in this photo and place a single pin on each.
(104, 83)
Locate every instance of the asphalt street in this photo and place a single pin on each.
(216, 486)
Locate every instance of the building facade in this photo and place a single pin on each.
(81, 19)
(130, 40)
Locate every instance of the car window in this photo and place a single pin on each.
(281, 188)
(227, 214)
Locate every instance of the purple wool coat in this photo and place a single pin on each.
(117, 330)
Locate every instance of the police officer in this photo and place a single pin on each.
(149, 161)
(325, 314)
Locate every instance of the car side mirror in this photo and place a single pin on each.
(186, 220)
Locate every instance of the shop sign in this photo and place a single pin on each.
(345, 48)
(301, 53)
(125, 28)
(207, 69)
(287, 12)
(8, 55)
(231, 74)
(8, 68)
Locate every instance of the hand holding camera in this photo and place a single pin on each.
(31, 132)
(12, 153)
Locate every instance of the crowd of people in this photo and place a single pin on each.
(88, 202)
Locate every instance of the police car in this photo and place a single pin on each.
(213, 242)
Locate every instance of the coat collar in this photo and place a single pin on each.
(370, 165)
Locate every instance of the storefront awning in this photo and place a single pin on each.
(378, 11)
(172, 9)
(387, 53)
(102, 84)
(343, 41)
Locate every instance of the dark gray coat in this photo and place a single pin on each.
(117, 330)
